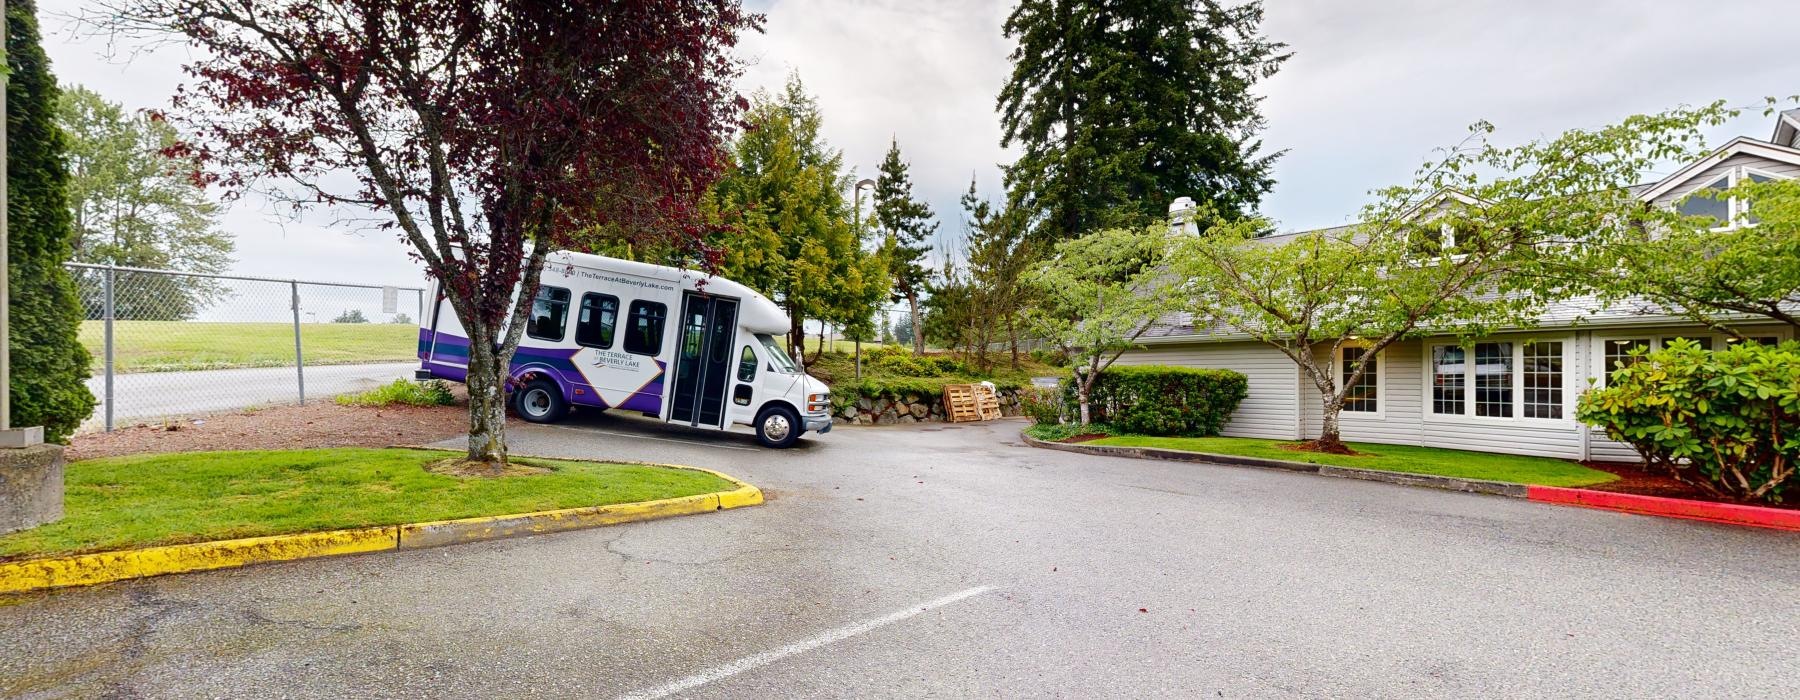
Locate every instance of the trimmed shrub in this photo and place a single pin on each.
(49, 365)
(1726, 422)
(1161, 400)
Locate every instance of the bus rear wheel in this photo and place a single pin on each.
(778, 427)
(540, 401)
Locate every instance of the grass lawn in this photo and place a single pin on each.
(143, 500)
(166, 346)
(1542, 471)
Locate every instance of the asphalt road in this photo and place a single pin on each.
(145, 395)
(953, 562)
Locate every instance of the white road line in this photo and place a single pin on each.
(771, 656)
(651, 437)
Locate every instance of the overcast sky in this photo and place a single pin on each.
(1372, 88)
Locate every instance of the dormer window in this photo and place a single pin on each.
(1709, 201)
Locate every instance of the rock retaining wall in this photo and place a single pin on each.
(909, 408)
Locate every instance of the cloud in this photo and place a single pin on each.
(1373, 87)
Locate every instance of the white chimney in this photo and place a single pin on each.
(1181, 216)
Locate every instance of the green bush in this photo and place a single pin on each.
(433, 392)
(1043, 405)
(1726, 422)
(1161, 400)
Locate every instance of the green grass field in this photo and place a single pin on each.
(145, 500)
(168, 346)
(1516, 469)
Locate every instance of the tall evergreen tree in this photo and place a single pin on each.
(908, 224)
(48, 364)
(1120, 106)
(791, 234)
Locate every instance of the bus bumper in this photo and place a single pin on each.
(817, 424)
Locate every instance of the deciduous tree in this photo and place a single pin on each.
(1096, 295)
(134, 205)
(1465, 248)
(486, 133)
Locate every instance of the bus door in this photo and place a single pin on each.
(703, 360)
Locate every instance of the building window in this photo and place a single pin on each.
(1617, 353)
(1449, 368)
(1494, 380)
(1541, 371)
(644, 328)
(1361, 396)
(549, 313)
(599, 314)
(1708, 201)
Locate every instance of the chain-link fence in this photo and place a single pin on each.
(177, 343)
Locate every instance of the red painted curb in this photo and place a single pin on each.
(1729, 513)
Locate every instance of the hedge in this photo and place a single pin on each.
(1160, 400)
(1726, 422)
(49, 364)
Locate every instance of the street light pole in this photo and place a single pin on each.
(862, 184)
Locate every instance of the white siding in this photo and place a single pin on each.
(1269, 410)
(1397, 397)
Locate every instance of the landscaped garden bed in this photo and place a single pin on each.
(145, 500)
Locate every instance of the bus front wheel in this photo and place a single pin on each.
(778, 427)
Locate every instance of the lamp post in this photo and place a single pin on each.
(861, 185)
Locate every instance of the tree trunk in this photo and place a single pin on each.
(1082, 395)
(797, 338)
(487, 403)
(1329, 439)
(918, 332)
(1012, 339)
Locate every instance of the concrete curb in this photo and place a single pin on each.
(102, 567)
(1446, 483)
(1726, 513)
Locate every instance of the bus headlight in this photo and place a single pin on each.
(818, 403)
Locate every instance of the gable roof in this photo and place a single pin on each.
(1787, 128)
(1739, 145)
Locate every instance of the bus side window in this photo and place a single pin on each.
(747, 365)
(599, 314)
(549, 312)
(644, 328)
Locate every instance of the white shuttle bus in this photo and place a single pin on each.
(673, 344)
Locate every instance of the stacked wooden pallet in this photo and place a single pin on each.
(970, 402)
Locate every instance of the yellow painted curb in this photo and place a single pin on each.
(102, 567)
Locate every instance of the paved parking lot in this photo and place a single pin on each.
(939, 561)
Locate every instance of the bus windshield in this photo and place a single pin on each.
(777, 357)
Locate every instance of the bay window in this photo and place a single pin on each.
(1498, 379)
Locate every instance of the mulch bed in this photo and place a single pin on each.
(1634, 480)
(1084, 437)
(317, 424)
